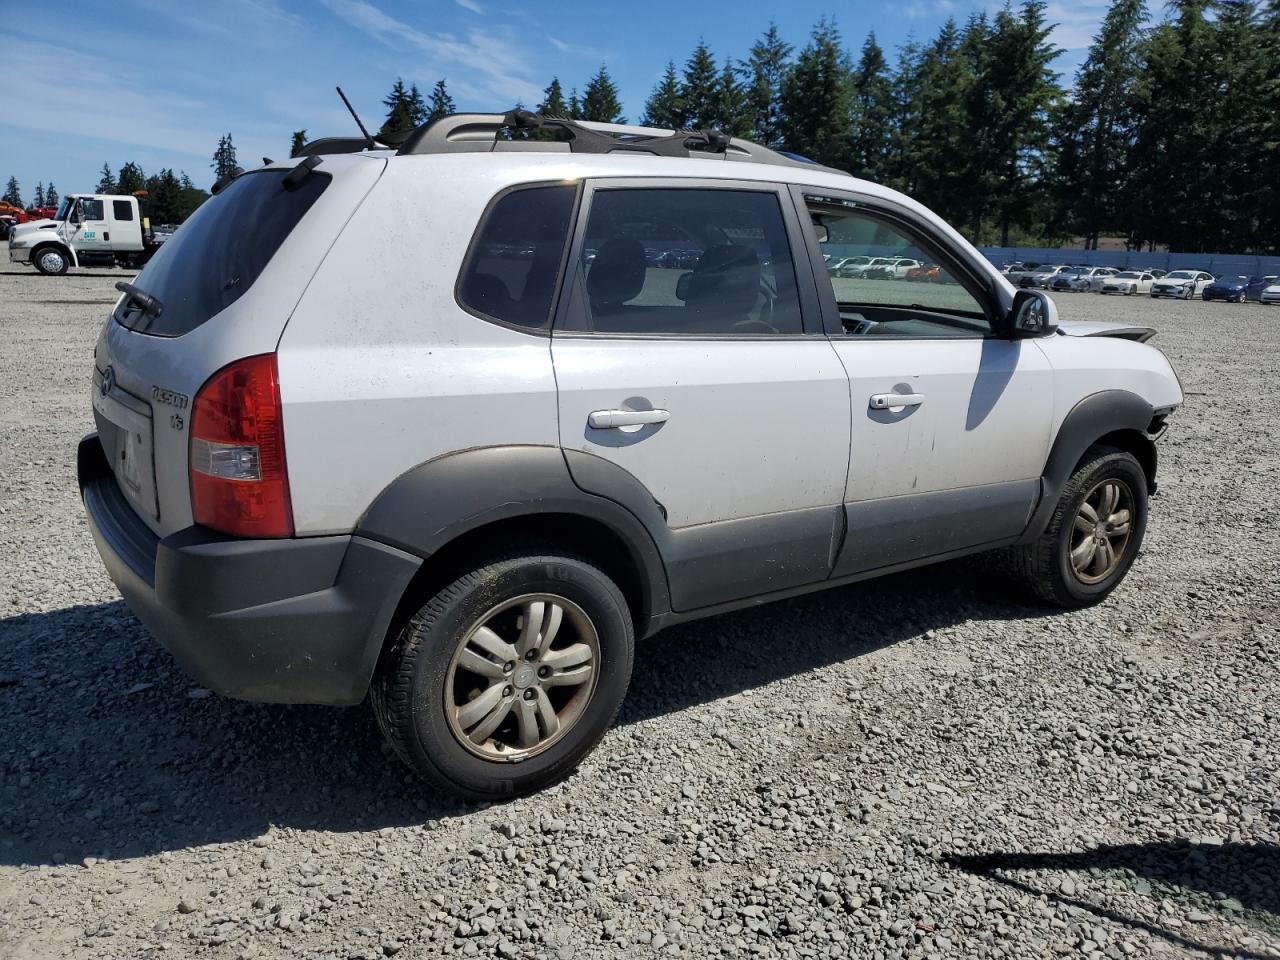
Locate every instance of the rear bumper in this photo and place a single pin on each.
(282, 621)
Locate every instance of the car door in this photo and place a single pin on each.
(711, 387)
(950, 423)
(92, 234)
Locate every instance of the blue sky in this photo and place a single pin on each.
(158, 81)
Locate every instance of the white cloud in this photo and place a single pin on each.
(470, 5)
(484, 65)
(577, 50)
(1077, 23)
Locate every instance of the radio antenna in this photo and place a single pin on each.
(354, 116)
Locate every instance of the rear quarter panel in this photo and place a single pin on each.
(381, 369)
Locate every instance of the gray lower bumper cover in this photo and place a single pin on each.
(281, 621)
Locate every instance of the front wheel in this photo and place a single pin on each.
(507, 677)
(50, 261)
(1093, 536)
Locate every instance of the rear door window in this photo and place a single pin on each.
(685, 262)
(213, 260)
(122, 209)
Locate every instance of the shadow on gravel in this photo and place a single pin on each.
(104, 752)
(1229, 881)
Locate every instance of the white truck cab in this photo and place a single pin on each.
(89, 229)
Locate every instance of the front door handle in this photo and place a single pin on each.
(611, 419)
(885, 401)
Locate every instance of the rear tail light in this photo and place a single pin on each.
(238, 480)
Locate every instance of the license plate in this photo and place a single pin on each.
(124, 427)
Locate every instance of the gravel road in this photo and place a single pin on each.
(921, 766)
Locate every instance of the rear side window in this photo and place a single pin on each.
(215, 257)
(511, 273)
(122, 209)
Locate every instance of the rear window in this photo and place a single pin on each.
(514, 264)
(216, 256)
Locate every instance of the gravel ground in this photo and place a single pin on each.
(920, 766)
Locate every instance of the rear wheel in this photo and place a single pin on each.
(510, 675)
(1094, 534)
(51, 261)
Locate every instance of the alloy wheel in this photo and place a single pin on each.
(51, 261)
(1101, 531)
(521, 677)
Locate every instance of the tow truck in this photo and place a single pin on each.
(88, 229)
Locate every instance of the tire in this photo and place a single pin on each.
(423, 683)
(49, 260)
(1045, 568)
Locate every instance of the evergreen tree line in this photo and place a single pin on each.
(43, 197)
(1168, 134)
(171, 197)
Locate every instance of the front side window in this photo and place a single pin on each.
(91, 210)
(903, 289)
(685, 262)
(514, 264)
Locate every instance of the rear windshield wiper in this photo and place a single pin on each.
(148, 304)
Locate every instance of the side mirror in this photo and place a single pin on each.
(683, 283)
(1034, 314)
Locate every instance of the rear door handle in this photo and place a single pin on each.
(611, 419)
(884, 401)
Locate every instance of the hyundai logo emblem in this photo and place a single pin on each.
(108, 381)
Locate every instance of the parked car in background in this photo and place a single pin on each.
(1128, 282)
(926, 271)
(847, 266)
(1270, 294)
(1183, 284)
(1042, 276)
(1237, 289)
(1093, 278)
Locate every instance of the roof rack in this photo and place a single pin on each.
(492, 132)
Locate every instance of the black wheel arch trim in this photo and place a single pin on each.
(1092, 419)
(434, 503)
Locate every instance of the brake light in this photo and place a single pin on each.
(238, 479)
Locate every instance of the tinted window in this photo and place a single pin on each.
(694, 262)
(122, 209)
(903, 290)
(215, 257)
(91, 210)
(515, 261)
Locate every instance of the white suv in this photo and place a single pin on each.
(452, 424)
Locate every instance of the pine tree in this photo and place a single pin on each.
(12, 193)
(106, 181)
(872, 112)
(1097, 127)
(440, 104)
(575, 105)
(665, 107)
(764, 71)
(299, 141)
(1010, 104)
(418, 107)
(224, 159)
(816, 96)
(130, 179)
(399, 122)
(699, 89)
(38, 200)
(1174, 179)
(731, 103)
(600, 99)
(553, 104)
(51, 197)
